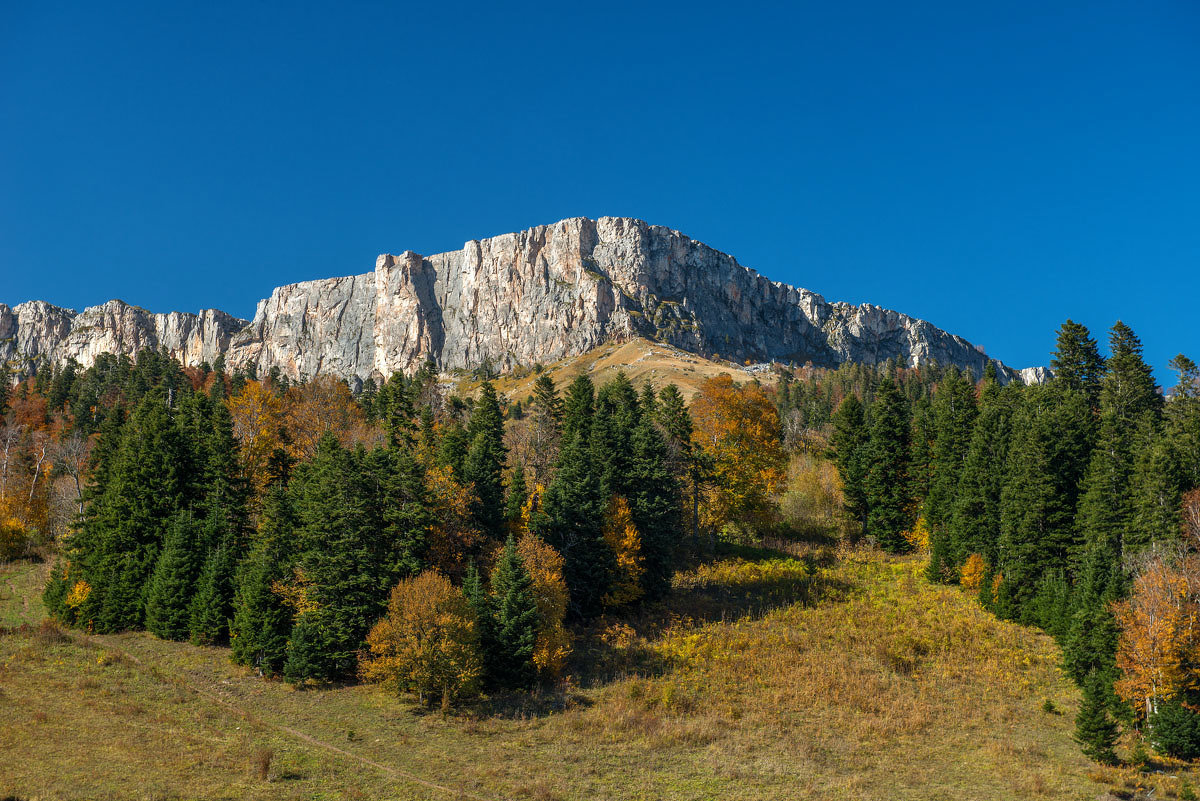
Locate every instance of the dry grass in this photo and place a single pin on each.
(641, 359)
(765, 676)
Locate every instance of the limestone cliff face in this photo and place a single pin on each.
(559, 290)
(534, 296)
(36, 331)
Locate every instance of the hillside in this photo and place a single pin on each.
(640, 359)
(835, 675)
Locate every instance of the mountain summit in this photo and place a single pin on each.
(535, 296)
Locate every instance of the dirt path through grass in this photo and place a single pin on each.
(158, 674)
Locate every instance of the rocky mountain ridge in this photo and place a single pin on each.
(534, 296)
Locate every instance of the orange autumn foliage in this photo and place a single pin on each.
(622, 536)
(323, 405)
(972, 572)
(258, 418)
(1159, 647)
(737, 428)
(545, 567)
(454, 534)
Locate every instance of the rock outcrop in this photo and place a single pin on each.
(35, 332)
(535, 296)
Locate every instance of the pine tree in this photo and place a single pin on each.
(174, 580)
(654, 496)
(516, 618)
(405, 513)
(484, 464)
(886, 485)
(1035, 517)
(480, 600)
(261, 621)
(672, 416)
(1095, 730)
(1129, 402)
(573, 509)
(849, 453)
(212, 607)
(518, 492)
(340, 550)
(954, 413)
(1076, 361)
(119, 547)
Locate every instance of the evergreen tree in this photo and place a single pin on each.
(1076, 361)
(1129, 402)
(1035, 517)
(119, 543)
(174, 580)
(573, 509)
(886, 485)
(481, 604)
(1095, 730)
(261, 621)
(849, 452)
(954, 412)
(518, 493)
(675, 421)
(545, 398)
(655, 500)
(484, 464)
(212, 607)
(516, 618)
(405, 513)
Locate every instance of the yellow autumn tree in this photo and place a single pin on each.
(972, 572)
(426, 644)
(918, 536)
(545, 567)
(1158, 651)
(454, 534)
(736, 429)
(322, 405)
(622, 536)
(258, 418)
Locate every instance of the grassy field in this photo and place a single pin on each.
(811, 674)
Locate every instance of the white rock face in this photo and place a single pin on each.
(534, 296)
(559, 290)
(36, 331)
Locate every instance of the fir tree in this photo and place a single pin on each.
(1076, 361)
(573, 509)
(886, 485)
(655, 500)
(954, 412)
(212, 607)
(174, 580)
(484, 464)
(261, 621)
(481, 604)
(849, 453)
(516, 618)
(1095, 730)
(518, 493)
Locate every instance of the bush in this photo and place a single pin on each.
(1175, 730)
(426, 643)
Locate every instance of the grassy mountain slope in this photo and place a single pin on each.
(765, 675)
(641, 359)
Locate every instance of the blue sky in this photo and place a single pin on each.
(994, 167)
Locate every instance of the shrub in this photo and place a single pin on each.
(426, 643)
(1175, 730)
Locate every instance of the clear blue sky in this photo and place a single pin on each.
(994, 167)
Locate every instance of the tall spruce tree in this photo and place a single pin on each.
(573, 509)
(1095, 730)
(516, 617)
(173, 583)
(1035, 516)
(1076, 361)
(886, 485)
(261, 620)
(485, 460)
(849, 451)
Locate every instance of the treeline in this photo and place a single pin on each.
(1048, 501)
(321, 534)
